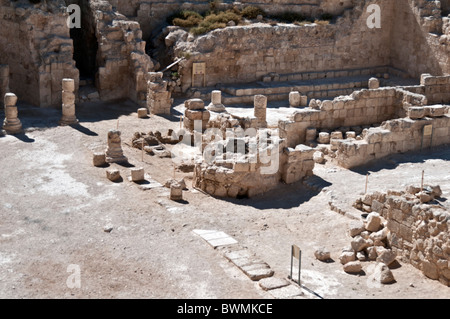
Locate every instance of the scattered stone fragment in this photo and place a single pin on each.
(358, 243)
(113, 174)
(356, 228)
(175, 181)
(137, 174)
(386, 256)
(382, 274)
(322, 254)
(353, 267)
(142, 113)
(176, 192)
(373, 222)
(99, 159)
(347, 255)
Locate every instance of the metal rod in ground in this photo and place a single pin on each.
(367, 182)
(421, 184)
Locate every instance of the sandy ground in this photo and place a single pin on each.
(55, 206)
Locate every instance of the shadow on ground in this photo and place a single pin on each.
(393, 161)
(283, 197)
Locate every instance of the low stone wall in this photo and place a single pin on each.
(418, 229)
(243, 167)
(363, 107)
(396, 136)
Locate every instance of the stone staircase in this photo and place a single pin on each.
(315, 85)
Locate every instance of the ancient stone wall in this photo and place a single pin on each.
(420, 40)
(4, 82)
(363, 107)
(245, 167)
(395, 136)
(36, 44)
(122, 61)
(151, 14)
(418, 228)
(374, 106)
(247, 53)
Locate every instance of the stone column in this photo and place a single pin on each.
(159, 99)
(68, 103)
(114, 152)
(4, 82)
(11, 124)
(196, 117)
(260, 109)
(216, 102)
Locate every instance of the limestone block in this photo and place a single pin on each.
(359, 243)
(322, 254)
(382, 274)
(294, 99)
(137, 174)
(336, 135)
(319, 157)
(374, 83)
(435, 110)
(176, 192)
(324, 138)
(386, 256)
(195, 104)
(311, 134)
(373, 222)
(350, 134)
(113, 174)
(99, 159)
(260, 107)
(68, 85)
(326, 106)
(347, 255)
(416, 112)
(142, 112)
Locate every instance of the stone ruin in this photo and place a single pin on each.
(358, 94)
(409, 226)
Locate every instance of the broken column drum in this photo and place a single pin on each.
(11, 124)
(216, 102)
(114, 152)
(68, 103)
(260, 109)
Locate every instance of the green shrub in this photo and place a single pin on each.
(322, 22)
(184, 15)
(251, 12)
(190, 22)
